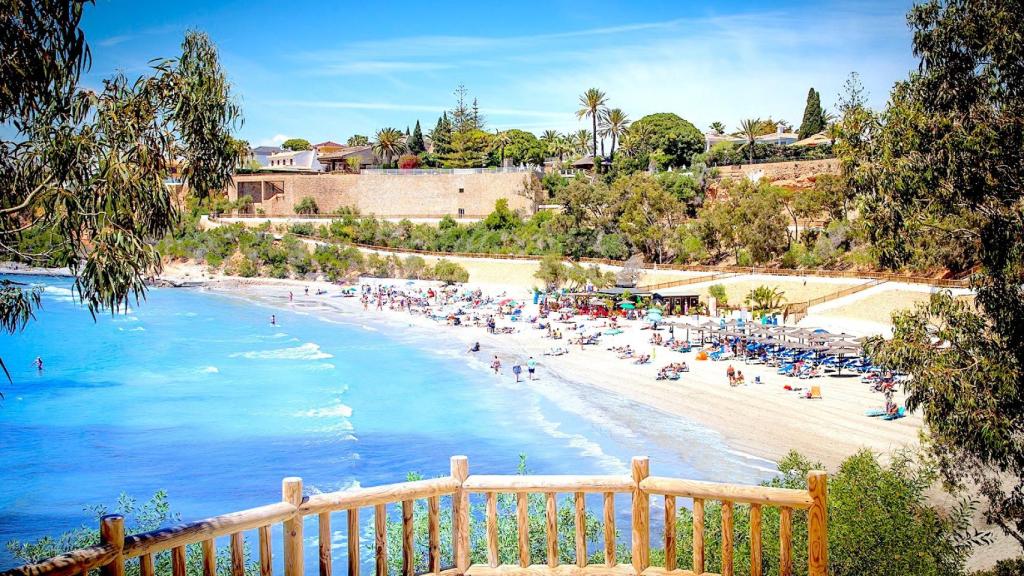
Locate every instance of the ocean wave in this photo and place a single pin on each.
(59, 293)
(307, 351)
(338, 409)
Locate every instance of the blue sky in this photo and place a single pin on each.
(328, 70)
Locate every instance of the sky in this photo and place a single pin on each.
(327, 70)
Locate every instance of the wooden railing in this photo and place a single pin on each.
(115, 548)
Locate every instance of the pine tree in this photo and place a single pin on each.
(441, 135)
(478, 120)
(416, 145)
(814, 116)
(461, 115)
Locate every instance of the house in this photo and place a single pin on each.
(293, 161)
(712, 138)
(261, 154)
(349, 159)
(327, 147)
(780, 138)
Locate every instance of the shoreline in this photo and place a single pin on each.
(764, 422)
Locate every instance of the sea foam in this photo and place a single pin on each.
(307, 351)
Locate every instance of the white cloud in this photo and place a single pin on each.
(275, 140)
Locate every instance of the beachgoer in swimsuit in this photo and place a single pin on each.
(531, 365)
(39, 363)
(273, 320)
(496, 364)
(290, 296)
(517, 369)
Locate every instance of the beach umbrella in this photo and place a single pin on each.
(627, 305)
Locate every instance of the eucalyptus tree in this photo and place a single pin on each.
(87, 169)
(614, 123)
(388, 144)
(592, 104)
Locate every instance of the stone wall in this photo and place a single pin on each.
(794, 174)
(387, 195)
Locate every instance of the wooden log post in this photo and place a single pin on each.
(641, 469)
(209, 557)
(817, 524)
(698, 536)
(266, 556)
(238, 554)
(786, 542)
(112, 534)
(492, 529)
(755, 540)
(353, 542)
(178, 561)
(523, 527)
(291, 492)
(581, 530)
(380, 529)
(609, 529)
(434, 534)
(146, 565)
(551, 516)
(408, 537)
(727, 538)
(670, 533)
(460, 514)
(324, 529)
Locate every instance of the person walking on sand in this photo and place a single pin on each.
(517, 370)
(496, 364)
(531, 366)
(291, 297)
(730, 372)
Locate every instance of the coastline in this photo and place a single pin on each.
(762, 422)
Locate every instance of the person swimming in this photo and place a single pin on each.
(273, 319)
(38, 363)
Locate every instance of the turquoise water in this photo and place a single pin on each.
(197, 394)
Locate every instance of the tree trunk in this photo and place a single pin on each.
(593, 117)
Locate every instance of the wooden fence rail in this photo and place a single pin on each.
(115, 548)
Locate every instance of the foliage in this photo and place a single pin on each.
(765, 298)
(592, 105)
(944, 168)
(467, 149)
(85, 168)
(814, 115)
(357, 140)
(152, 515)
(296, 144)
(408, 161)
(389, 144)
(552, 271)
(717, 291)
(718, 128)
(678, 139)
(416, 143)
(449, 272)
(614, 124)
(307, 205)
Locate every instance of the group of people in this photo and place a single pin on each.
(517, 368)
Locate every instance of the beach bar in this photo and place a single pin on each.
(116, 549)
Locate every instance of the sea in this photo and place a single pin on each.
(196, 393)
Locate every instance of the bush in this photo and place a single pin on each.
(408, 161)
(302, 229)
(450, 272)
(717, 291)
(307, 206)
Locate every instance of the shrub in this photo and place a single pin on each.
(717, 291)
(302, 229)
(450, 272)
(414, 267)
(408, 161)
(307, 206)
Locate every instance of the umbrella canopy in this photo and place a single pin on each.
(627, 305)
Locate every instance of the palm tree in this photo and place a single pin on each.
(580, 140)
(549, 137)
(751, 128)
(765, 298)
(501, 139)
(390, 142)
(718, 128)
(592, 102)
(833, 132)
(614, 123)
(637, 139)
(562, 146)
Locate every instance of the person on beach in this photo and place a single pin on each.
(475, 347)
(531, 366)
(38, 363)
(273, 319)
(730, 373)
(307, 290)
(496, 364)
(517, 370)
(291, 296)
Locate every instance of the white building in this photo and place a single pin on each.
(299, 161)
